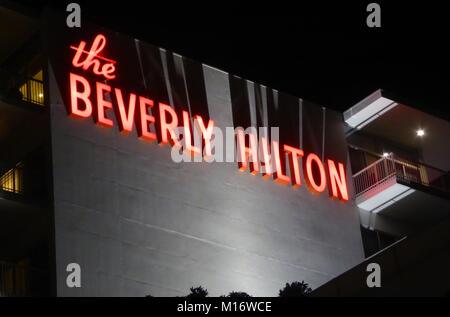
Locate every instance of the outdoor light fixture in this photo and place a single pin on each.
(385, 154)
(420, 132)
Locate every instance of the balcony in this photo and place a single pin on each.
(25, 223)
(33, 91)
(12, 180)
(13, 280)
(26, 180)
(20, 279)
(393, 178)
(21, 88)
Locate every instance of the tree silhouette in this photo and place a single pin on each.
(295, 289)
(198, 292)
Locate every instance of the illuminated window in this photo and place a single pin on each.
(33, 89)
(15, 278)
(12, 180)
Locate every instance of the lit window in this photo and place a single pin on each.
(33, 89)
(12, 180)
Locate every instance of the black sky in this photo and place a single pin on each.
(324, 52)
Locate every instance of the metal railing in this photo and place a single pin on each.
(14, 279)
(374, 174)
(391, 166)
(421, 174)
(21, 279)
(33, 91)
(12, 180)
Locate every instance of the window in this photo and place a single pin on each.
(33, 89)
(12, 180)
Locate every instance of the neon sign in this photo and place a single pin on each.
(84, 105)
(92, 58)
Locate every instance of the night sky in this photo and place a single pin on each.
(323, 53)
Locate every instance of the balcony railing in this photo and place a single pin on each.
(394, 166)
(21, 279)
(12, 180)
(33, 91)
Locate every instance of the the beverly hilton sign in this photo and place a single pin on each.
(257, 154)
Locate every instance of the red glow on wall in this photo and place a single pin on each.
(279, 176)
(294, 155)
(310, 181)
(247, 154)
(91, 58)
(338, 181)
(266, 158)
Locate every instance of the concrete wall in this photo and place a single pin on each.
(140, 224)
(405, 268)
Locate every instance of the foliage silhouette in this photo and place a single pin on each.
(198, 292)
(295, 289)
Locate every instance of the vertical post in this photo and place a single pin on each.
(13, 180)
(27, 83)
(376, 173)
(13, 280)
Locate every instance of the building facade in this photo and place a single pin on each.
(104, 170)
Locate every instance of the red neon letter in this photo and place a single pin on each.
(100, 118)
(266, 157)
(108, 70)
(168, 127)
(126, 118)
(309, 173)
(245, 152)
(294, 155)
(278, 176)
(340, 180)
(146, 119)
(83, 95)
(97, 46)
(207, 134)
(188, 147)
